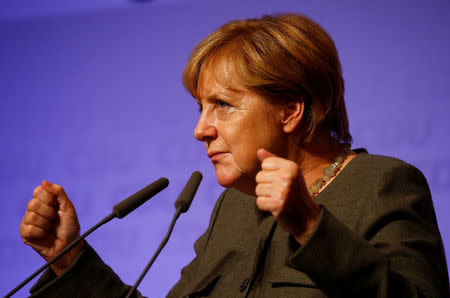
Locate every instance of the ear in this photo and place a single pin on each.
(292, 115)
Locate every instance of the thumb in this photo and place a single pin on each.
(53, 189)
(57, 191)
(263, 154)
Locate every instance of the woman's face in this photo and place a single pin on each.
(234, 123)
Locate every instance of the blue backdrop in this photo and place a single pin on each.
(92, 99)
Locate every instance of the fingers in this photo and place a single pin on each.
(31, 233)
(271, 162)
(275, 182)
(264, 176)
(264, 190)
(41, 211)
(62, 200)
(34, 219)
(267, 204)
(281, 190)
(41, 208)
(34, 226)
(276, 193)
(42, 194)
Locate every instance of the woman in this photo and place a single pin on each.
(326, 220)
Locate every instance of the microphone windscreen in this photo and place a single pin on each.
(187, 194)
(122, 209)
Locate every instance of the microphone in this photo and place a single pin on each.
(186, 196)
(182, 205)
(120, 210)
(128, 205)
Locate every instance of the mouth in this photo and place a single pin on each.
(214, 156)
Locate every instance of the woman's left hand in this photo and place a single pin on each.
(281, 190)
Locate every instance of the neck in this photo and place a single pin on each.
(315, 156)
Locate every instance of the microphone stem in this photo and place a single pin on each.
(66, 249)
(161, 246)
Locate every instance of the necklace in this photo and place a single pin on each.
(331, 171)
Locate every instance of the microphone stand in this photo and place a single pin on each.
(182, 205)
(161, 246)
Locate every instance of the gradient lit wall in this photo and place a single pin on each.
(92, 99)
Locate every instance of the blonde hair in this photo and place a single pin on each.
(281, 58)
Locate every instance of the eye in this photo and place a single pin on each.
(200, 107)
(222, 104)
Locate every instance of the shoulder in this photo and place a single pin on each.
(372, 186)
(382, 171)
(377, 162)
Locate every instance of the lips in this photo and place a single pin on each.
(215, 155)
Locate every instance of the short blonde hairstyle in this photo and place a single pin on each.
(281, 58)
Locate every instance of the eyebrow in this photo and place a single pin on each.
(212, 97)
(221, 94)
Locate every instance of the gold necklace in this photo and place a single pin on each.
(331, 171)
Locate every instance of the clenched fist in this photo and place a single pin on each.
(50, 224)
(281, 190)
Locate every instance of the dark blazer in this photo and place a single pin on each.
(376, 237)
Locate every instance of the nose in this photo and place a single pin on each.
(205, 129)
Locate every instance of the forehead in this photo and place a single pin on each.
(218, 75)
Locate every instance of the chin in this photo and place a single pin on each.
(237, 181)
(226, 179)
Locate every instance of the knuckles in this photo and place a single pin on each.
(33, 204)
(276, 193)
(281, 193)
(258, 189)
(271, 162)
(258, 176)
(280, 183)
(26, 231)
(30, 233)
(39, 207)
(259, 203)
(59, 188)
(31, 217)
(37, 190)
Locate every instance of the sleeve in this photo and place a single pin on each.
(189, 272)
(396, 251)
(88, 276)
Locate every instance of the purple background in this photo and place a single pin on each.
(91, 98)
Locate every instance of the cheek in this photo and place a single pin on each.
(246, 135)
(244, 154)
(263, 134)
